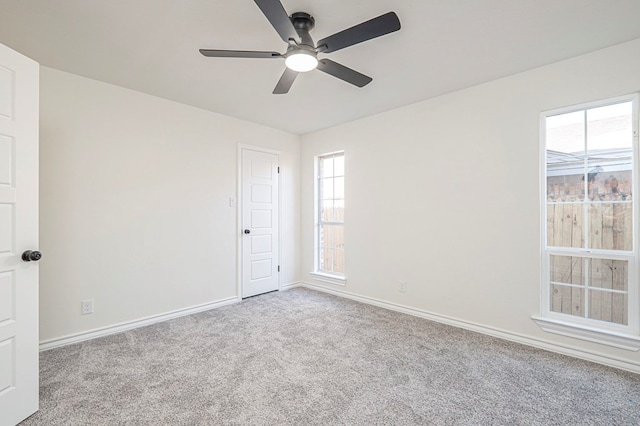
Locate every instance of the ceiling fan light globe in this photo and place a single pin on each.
(301, 61)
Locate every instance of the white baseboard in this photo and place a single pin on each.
(550, 346)
(502, 334)
(129, 325)
(291, 285)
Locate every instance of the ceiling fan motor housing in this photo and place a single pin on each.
(302, 21)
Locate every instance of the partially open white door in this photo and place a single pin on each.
(260, 253)
(19, 83)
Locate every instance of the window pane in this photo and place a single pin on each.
(565, 154)
(610, 151)
(565, 225)
(325, 259)
(326, 211)
(338, 187)
(332, 211)
(565, 163)
(332, 237)
(567, 269)
(338, 211)
(326, 236)
(604, 304)
(326, 189)
(338, 165)
(609, 179)
(566, 187)
(604, 171)
(565, 135)
(339, 237)
(611, 226)
(567, 300)
(338, 261)
(609, 127)
(326, 167)
(332, 260)
(608, 306)
(609, 274)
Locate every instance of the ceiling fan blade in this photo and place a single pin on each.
(285, 82)
(376, 27)
(275, 13)
(213, 53)
(343, 73)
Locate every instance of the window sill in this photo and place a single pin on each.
(328, 278)
(628, 342)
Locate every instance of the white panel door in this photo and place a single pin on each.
(260, 258)
(18, 233)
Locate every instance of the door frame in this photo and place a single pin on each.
(239, 204)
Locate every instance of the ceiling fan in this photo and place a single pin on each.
(302, 52)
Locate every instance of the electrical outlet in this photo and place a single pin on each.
(403, 286)
(87, 306)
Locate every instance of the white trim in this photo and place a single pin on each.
(591, 334)
(290, 286)
(328, 278)
(611, 361)
(130, 325)
(239, 221)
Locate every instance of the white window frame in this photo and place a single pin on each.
(617, 335)
(318, 274)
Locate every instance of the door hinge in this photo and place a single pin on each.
(278, 268)
(278, 169)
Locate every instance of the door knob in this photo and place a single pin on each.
(31, 255)
(247, 231)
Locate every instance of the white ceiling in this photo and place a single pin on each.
(444, 45)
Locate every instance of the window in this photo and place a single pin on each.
(330, 215)
(590, 232)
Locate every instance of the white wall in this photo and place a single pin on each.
(444, 194)
(134, 203)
